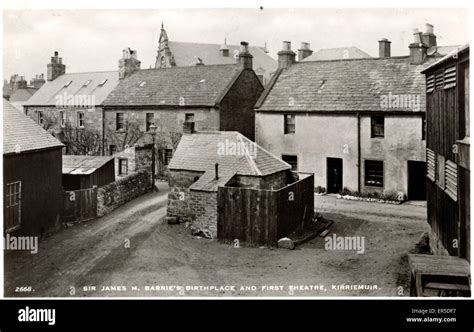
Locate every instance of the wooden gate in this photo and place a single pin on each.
(79, 205)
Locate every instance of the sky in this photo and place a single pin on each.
(93, 40)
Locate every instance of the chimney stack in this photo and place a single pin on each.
(38, 81)
(245, 59)
(19, 82)
(286, 57)
(384, 48)
(129, 63)
(305, 51)
(55, 68)
(428, 37)
(224, 50)
(418, 50)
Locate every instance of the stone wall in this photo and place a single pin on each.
(115, 194)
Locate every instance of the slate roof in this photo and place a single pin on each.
(22, 95)
(344, 85)
(46, 95)
(200, 151)
(338, 53)
(186, 54)
(22, 134)
(442, 50)
(198, 86)
(83, 165)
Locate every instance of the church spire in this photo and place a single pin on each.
(164, 57)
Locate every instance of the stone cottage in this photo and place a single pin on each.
(204, 161)
(355, 123)
(70, 106)
(202, 97)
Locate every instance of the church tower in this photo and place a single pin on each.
(164, 57)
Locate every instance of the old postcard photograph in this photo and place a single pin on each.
(236, 152)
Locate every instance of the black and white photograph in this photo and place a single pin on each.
(257, 151)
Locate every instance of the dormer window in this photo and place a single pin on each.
(86, 83)
(103, 82)
(141, 84)
(67, 84)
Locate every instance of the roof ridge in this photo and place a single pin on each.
(249, 158)
(236, 45)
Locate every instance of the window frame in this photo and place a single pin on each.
(9, 203)
(373, 125)
(189, 115)
(122, 162)
(40, 118)
(289, 127)
(62, 119)
(294, 168)
(80, 119)
(121, 116)
(366, 173)
(149, 123)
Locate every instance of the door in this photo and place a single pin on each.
(12, 211)
(416, 180)
(334, 175)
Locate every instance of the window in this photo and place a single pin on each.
(374, 173)
(62, 118)
(102, 82)
(112, 149)
(119, 124)
(167, 155)
(12, 202)
(67, 84)
(80, 119)
(423, 127)
(40, 118)
(150, 119)
(377, 126)
(86, 83)
(289, 124)
(141, 84)
(123, 166)
(189, 117)
(292, 160)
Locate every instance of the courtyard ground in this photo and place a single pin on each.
(130, 252)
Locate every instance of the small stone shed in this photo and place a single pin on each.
(205, 161)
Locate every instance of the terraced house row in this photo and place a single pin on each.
(357, 122)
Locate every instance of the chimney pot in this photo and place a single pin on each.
(286, 57)
(128, 63)
(428, 37)
(217, 170)
(384, 48)
(305, 51)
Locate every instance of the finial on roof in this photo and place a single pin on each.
(162, 25)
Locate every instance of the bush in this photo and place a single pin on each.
(320, 190)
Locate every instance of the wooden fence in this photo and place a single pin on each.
(79, 205)
(261, 217)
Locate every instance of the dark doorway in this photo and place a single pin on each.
(334, 175)
(416, 180)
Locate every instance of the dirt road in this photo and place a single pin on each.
(165, 260)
